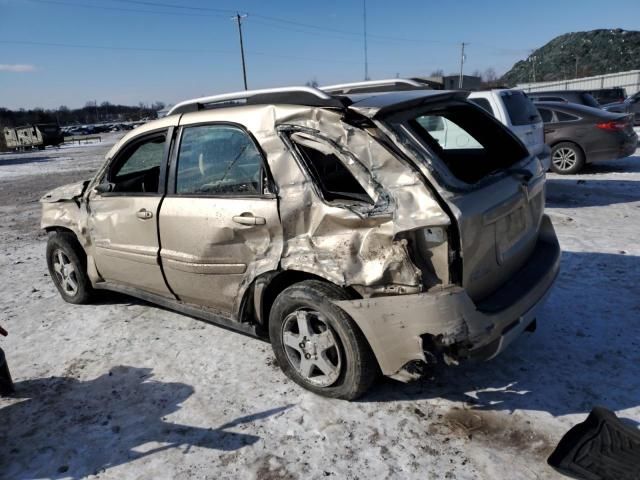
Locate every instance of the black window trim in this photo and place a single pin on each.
(168, 133)
(268, 190)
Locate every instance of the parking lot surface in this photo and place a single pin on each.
(122, 389)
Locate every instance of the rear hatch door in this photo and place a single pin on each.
(492, 186)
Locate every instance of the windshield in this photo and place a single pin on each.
(520, 109)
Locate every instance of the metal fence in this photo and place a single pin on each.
(628, 80)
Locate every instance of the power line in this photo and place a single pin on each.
(174, 5)
(170, 50)
(120, 9)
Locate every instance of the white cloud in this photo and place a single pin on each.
(17, 68)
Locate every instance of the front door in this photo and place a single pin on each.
(123, 213)
(219, 225)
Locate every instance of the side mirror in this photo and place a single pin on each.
(104, 187)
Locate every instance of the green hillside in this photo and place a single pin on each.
(592, 53)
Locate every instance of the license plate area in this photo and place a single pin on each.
(510, 229)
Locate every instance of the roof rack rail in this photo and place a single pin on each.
(386, 85)
(308, 96)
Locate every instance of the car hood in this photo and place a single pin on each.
(65, 192)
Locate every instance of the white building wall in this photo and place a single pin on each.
(629, 80)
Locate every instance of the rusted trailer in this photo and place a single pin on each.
(32, 136)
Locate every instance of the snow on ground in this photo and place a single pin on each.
(125, 390)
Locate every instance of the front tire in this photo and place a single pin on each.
(68, 268)
(567, 158)
(317, 345)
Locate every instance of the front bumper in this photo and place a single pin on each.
(396, 325)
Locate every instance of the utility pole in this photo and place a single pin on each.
(461, 64)
(533, 65)
(366, 60)
(577, 58)
(238, 18)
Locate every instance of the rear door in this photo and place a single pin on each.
(523, 119)
(495, 190)
(219, 223)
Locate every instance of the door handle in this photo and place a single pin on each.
(144, 214)
(249, 219)
(549, 130)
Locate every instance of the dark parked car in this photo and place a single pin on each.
(630, 105)
(581, 97)
(605, 96)
(578, 135)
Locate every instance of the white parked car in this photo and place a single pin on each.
(515, 110)
(512, 108)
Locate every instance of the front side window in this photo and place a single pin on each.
(218, 160)
(137, 170)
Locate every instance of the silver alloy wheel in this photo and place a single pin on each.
(565, 158)
(311, 347)
(65, 272)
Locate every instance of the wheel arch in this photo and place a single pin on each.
(64, 230)
(258, 299)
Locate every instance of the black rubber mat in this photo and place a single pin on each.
(600, 448)
(6, 384)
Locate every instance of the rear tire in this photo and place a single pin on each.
(68, 268)
(567, 158)
(317, 345)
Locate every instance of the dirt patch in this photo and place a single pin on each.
(271, 467)
(19, 199)
(498, 429)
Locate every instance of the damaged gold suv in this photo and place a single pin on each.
(339, 226)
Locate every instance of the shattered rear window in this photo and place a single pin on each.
(327, 170)
(468, 141)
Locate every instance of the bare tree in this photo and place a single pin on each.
(437, 73)
(312, 83)
(490, 75)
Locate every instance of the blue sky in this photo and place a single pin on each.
(49, 53)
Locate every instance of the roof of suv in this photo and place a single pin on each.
(370, 103)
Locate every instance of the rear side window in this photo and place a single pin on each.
(218, 160)
(547, 115)
(483, 103)
(325, 165)
(566, 117)
(520, 109)
(471, 144)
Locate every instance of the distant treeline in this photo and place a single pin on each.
(90, 113)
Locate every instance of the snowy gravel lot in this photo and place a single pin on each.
(125, 390)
